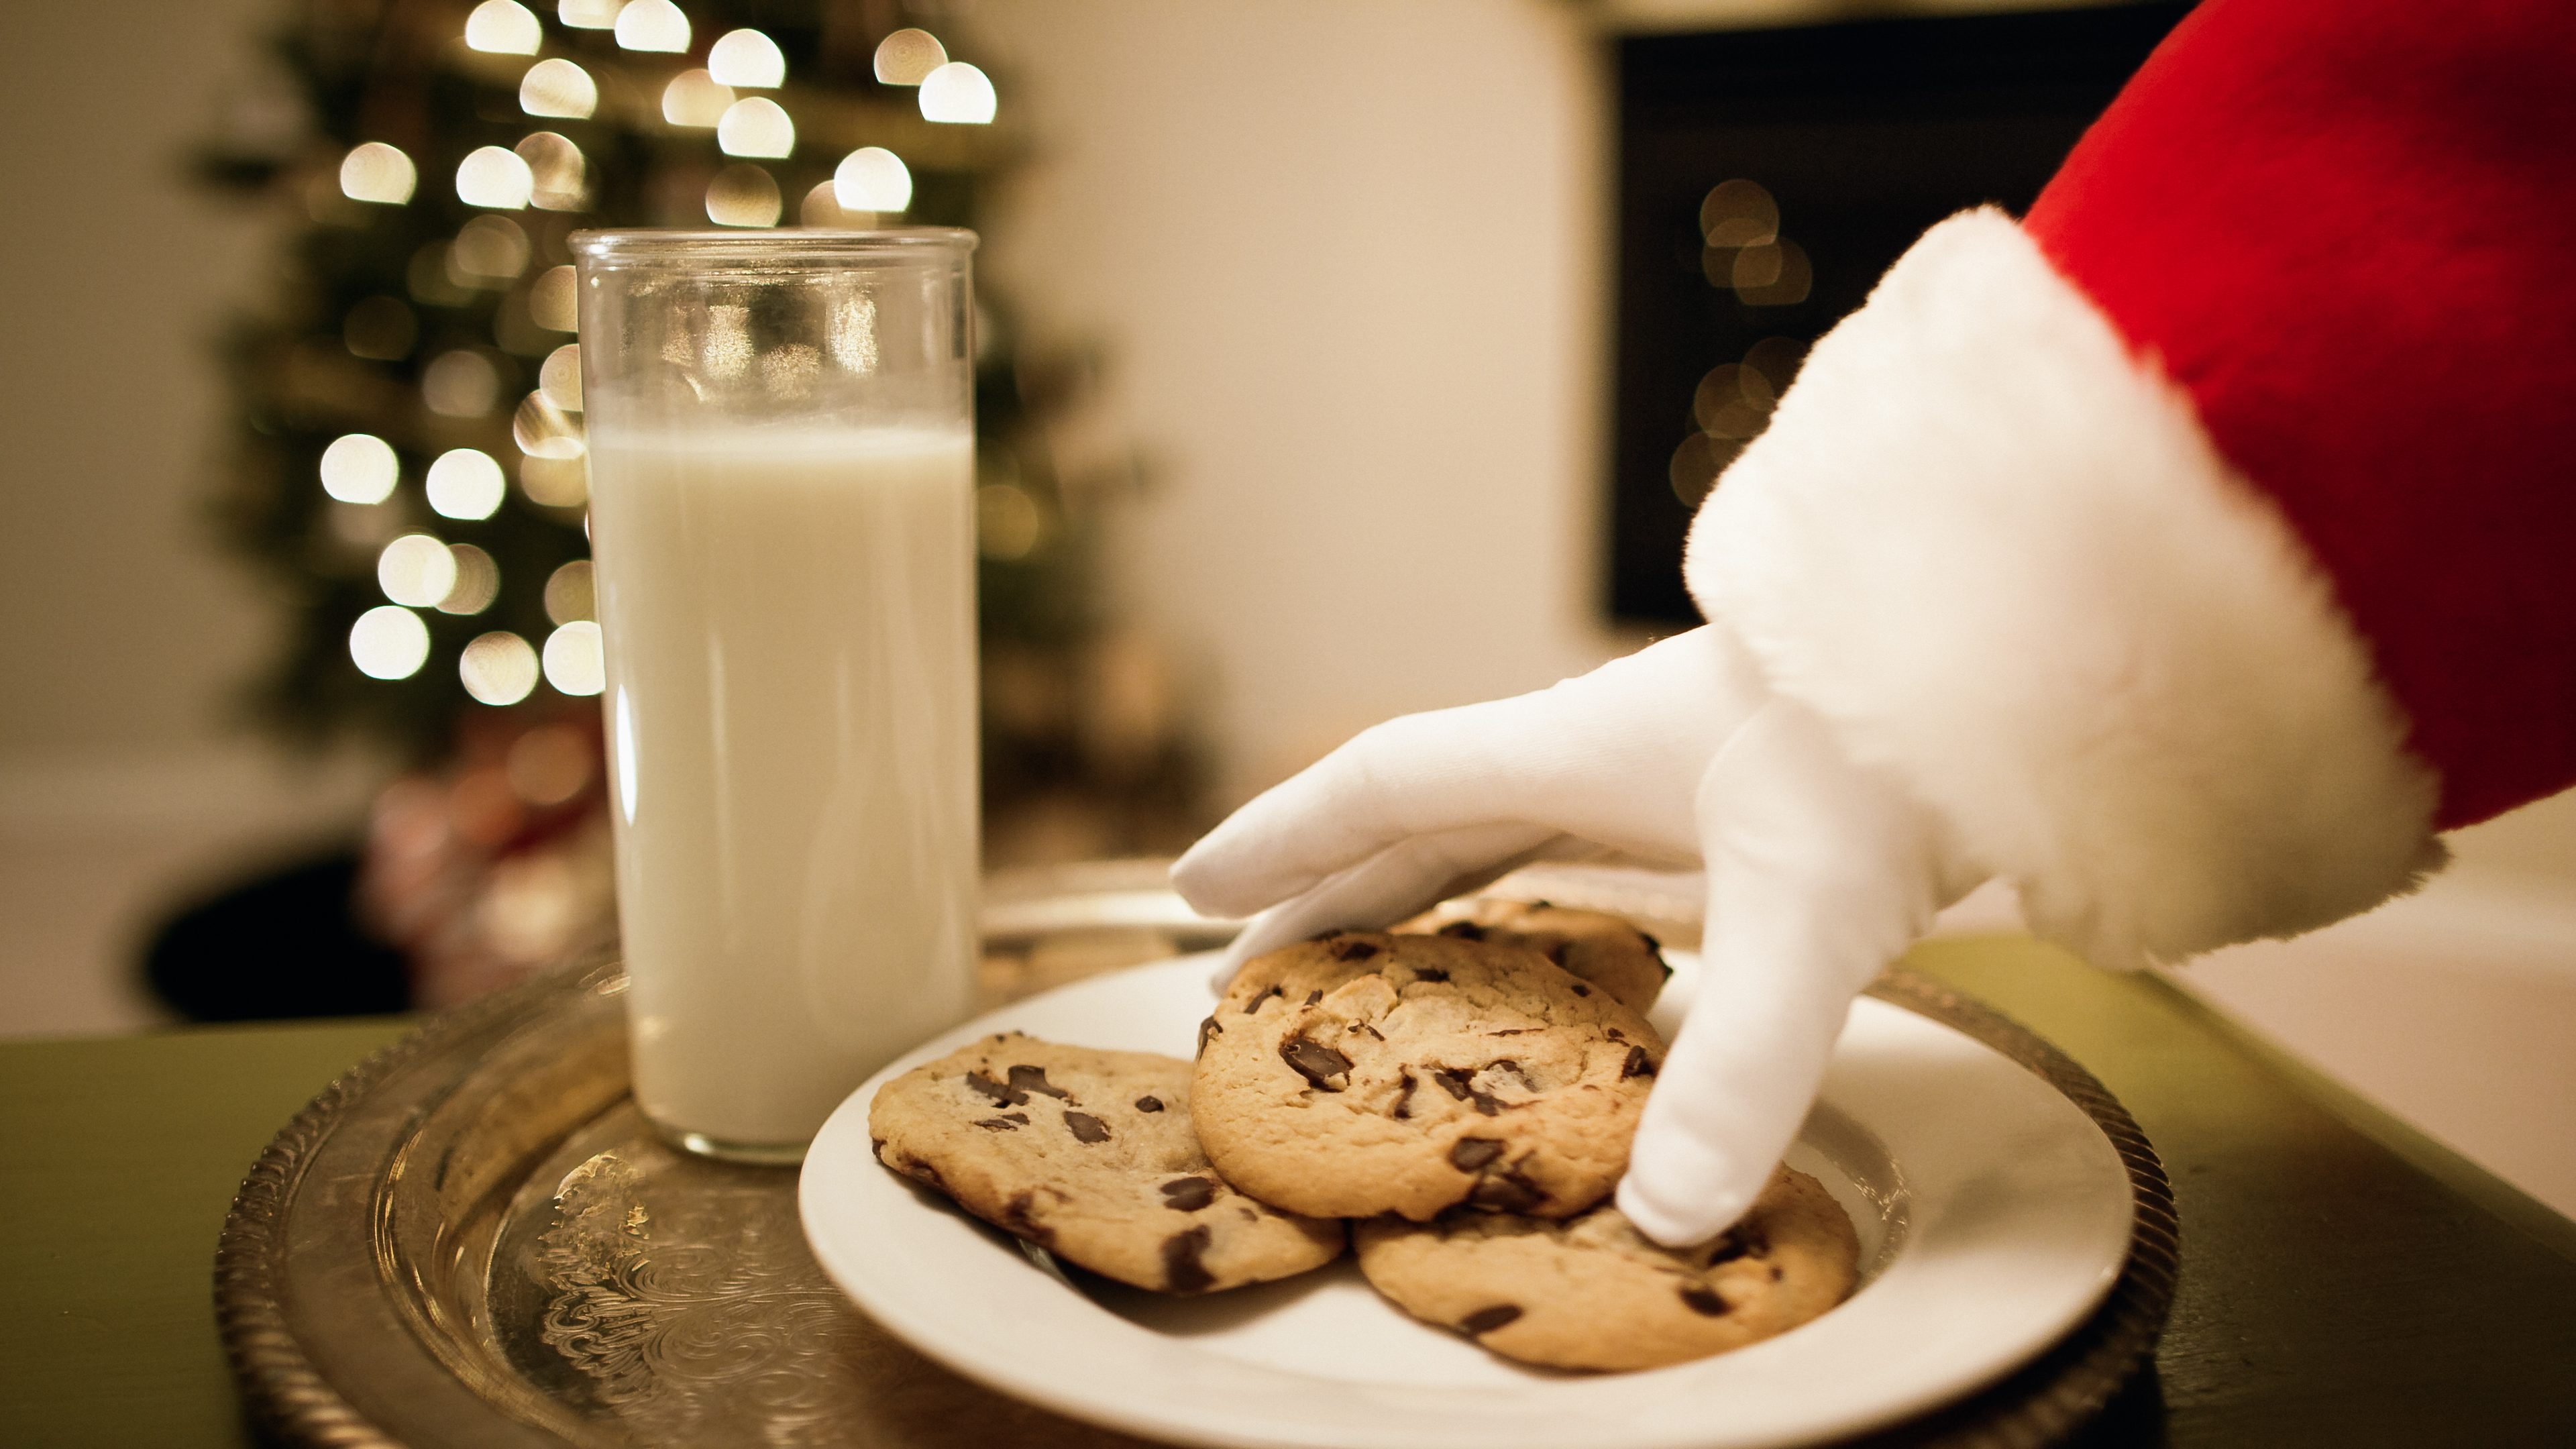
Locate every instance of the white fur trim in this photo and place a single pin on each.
(2000, 555)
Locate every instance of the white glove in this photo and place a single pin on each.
(1819, 874)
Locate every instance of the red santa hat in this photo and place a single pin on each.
(2200, 546)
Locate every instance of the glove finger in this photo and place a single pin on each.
(1819, 875)
(1397, 882)
(1611, 756)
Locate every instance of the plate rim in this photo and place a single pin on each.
(2087, 1358)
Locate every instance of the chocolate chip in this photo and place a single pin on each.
(1582, 990)
(1462, 1086)
(1007, 1122)
(1429, 973)
(1556, 953)
(1033, 1079)
(915, 1167)
(1463, 930)
(1355, 950)
(1085, 1127)
(1636, 1065)
(1149, 1104)
(1263, 999)
(1183, 1272)
(1700, 1298)
(1614, 1033)
(1373, 1032)
(1486, 1320)
(1188, 1194)
(1314, 1061)
(1207, 1029)
(1509, 1193)
(1404, 1097)
(1470, 1153)
(1001, 1096)
(1511, 1031)
(1314, 996)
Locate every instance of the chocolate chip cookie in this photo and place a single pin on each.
(1091, 1155)
(1591, 1292)
(1365, 1073)
(1600, 948)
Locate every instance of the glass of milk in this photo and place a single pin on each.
(780, 433)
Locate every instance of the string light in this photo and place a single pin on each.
(560, 378)
(379, 173)
(554, 302)
(695, 98)
(460, 384)
(572, 659)
(490, 249)
(652, 25)
(416, 569)
(558, 176)
(748, 59)
(542, 431)
(494, 178)
(743, 195)
(757, 126)
(478, 581)
(907, 56)
(589, 14)
(958, 94)
(558, 87)
(389, 642)
(555, 482)
(503, 27)
(360, 468)
(1738, 213)
(572, 593)
(465, 483)
(498, 668)
(872, 178)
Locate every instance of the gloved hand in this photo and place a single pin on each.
(1819, 874)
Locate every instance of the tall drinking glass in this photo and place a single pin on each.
(782, 517)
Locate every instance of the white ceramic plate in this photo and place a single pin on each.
(1993, 1216)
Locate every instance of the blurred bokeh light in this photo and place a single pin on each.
(558, 87)
(388, 642)
(756, 126)
(743, 195)
(749, 59)
(504, 27)
(872, 178)
(465, 483)
(416, 569)
(360, 468)
(498, 668)
(907, 57)
(379, 173)
(958, 94)
(572, 659)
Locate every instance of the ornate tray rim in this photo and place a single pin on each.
(2040, 1403)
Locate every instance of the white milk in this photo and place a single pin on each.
(791, 714)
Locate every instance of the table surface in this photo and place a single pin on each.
(2345, 1280)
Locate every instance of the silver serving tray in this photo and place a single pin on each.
(472, 1239)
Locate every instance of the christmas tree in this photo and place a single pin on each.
(407, 467)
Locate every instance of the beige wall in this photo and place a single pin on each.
(120, 627)
(1346, 258)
